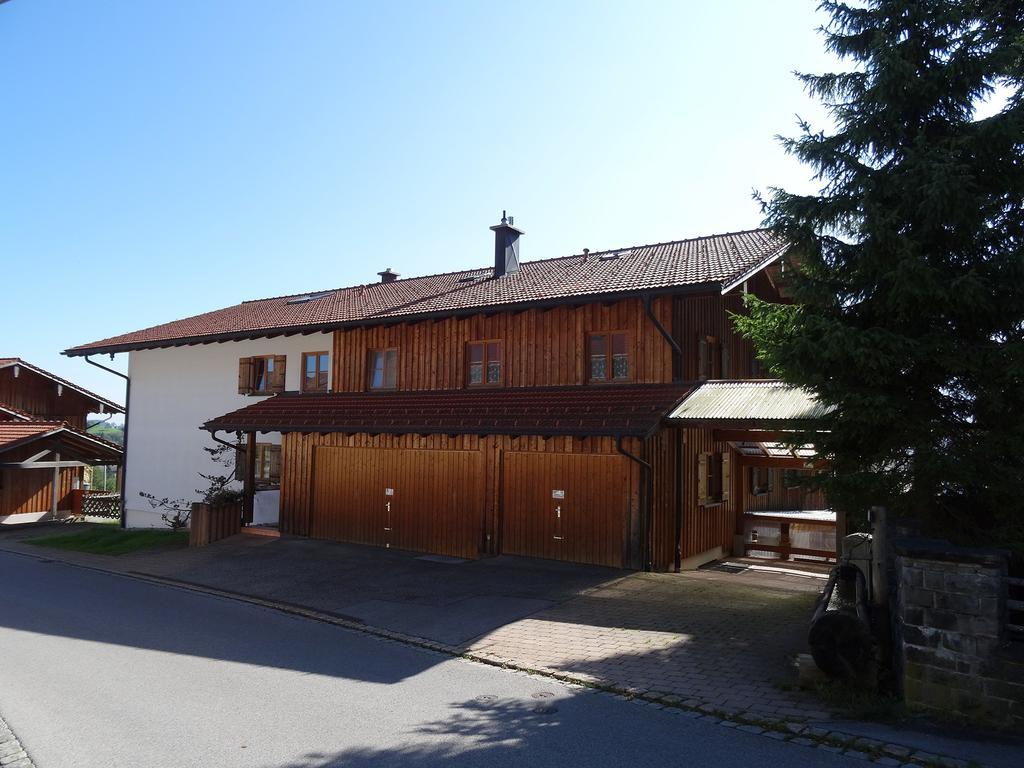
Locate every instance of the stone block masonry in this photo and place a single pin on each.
(955, 654)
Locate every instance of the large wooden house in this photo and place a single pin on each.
(534, 408)
(44, 445)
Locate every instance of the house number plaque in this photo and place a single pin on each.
(389, 491)
(558, 494)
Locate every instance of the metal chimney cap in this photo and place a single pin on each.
(387, 276)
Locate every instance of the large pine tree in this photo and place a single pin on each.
(908, 268)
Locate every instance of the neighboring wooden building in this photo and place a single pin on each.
(522, 409)
(44, 445)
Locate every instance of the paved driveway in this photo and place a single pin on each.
(99, 670)
(443, 599)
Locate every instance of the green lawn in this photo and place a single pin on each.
(112, 541)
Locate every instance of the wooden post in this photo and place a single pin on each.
(54, 497)
(785, 542)
(199, 525)
(249, 483)
(879, 556)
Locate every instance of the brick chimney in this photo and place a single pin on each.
(387, 276)
(506, 246)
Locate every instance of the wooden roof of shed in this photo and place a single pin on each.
(58, 435)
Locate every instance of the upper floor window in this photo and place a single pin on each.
(609, 356)
(709, 358)
(314, 371)
(383, 367)
(261, 375)
(484, 363)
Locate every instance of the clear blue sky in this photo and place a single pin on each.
(162, 159)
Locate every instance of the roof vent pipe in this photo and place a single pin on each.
(387, 276)
(506, 246)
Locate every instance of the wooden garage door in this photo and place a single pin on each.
(565, 506)
(426, 501)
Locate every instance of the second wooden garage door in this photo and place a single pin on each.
(565, 506)
(426, 501)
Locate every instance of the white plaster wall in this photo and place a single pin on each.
(175, 390)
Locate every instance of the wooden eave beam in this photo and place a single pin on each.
(751, 435)
(778, 462)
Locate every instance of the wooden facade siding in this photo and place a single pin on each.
(29, 490)
(484, 465)
(695, 318)
(779, 497)
(38, 396)
(568, 507)
(705, 526)
(435, 505)
(540, 347)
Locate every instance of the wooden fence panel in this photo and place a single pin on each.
(213, 523)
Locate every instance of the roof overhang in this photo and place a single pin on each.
(408, 318)
(751, 404)
(105, 405)
(764, 264)
(614, 411)
(73, 445)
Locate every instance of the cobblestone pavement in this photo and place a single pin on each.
(12, 754)
(708, 639)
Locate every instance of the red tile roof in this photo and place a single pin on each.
(10, 413)
(713, 261)
(627, 410)
(17, 433)
(110, 405)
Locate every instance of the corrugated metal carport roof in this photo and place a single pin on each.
(753, 401)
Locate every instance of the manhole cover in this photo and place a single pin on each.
(545, 709)
(487, 698)
(543, 695)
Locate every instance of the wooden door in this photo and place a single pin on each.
(564, 506)
(421, 500)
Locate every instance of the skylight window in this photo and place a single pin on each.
(308, 297)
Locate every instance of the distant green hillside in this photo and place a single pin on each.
(112, 432)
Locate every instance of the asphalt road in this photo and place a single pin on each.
(103, 670)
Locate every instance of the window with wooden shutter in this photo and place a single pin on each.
(702, 478)
(244, 375)
(726, 475)
(277, 374)
(711, 469)
(709, 358)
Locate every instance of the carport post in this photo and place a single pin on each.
(56, 485)
(249, 487)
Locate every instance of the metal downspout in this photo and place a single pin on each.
(677, 375)
(647, 473)
(677, 351)
(124, 446)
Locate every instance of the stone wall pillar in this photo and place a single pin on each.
(955, 658)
